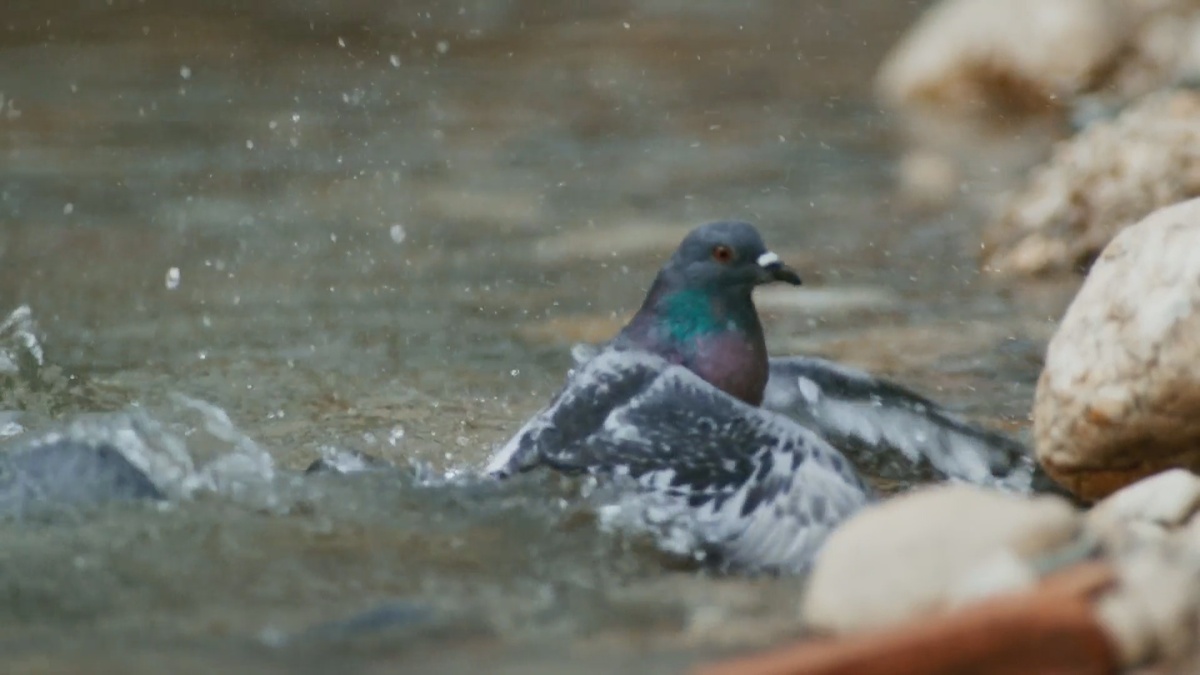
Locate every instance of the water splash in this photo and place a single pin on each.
(21, 352)
(184, 447)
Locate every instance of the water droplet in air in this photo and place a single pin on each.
(185, 72)
(396, 434)
(341, 43)
(397, 233)
(249, 144)
(172, 278)
(68, 209)
(395, 60)
(443, 46)
(515, 372)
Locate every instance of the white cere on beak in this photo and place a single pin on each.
(767, 259)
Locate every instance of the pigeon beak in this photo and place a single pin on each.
(773, 269)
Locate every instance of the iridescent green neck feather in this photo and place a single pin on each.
(689, 315)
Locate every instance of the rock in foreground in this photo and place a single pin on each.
(1119, 398)
(909, 556)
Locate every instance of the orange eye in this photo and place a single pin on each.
(722, 253)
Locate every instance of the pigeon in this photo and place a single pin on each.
(699, 312)
(694, 435)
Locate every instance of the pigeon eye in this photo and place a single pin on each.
(722, 253)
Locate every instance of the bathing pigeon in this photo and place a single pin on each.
(701, 439)
(707, 474)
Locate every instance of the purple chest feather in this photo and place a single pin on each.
(733, 363)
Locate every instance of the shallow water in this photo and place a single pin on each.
(379, 226)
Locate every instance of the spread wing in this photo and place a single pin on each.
(893, 432)
(704, 472)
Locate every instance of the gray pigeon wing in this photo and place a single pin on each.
(592, 390)
(702, 471)
(893, 432)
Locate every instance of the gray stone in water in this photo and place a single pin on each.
(64, 472)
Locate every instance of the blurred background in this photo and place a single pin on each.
(379, 226)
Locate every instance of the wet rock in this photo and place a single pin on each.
(1096, 184)
(1119, 397)
(57, 472)
(970, 56)
(907, 556)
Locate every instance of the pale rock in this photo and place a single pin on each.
(1167, 500)
(1153, 615)
(913, 554)
(1119, 396)
(1162, 49)
(1003, 572)
(1018, 55)
(1036, 56)
(1096, 184)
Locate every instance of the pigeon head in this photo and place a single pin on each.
(700, 313)
(726, 256)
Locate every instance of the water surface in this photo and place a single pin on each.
(380, 226)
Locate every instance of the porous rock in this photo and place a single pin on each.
(1161, 503)
(1119, 396)
(1096, 184)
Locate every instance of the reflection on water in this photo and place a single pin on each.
(377, 227)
